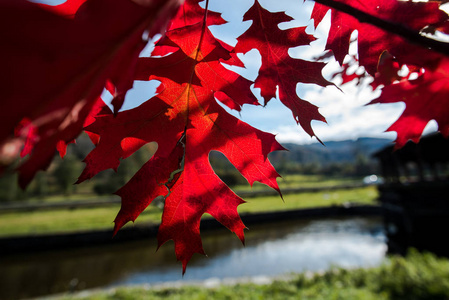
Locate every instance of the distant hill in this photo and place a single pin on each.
(346, 151)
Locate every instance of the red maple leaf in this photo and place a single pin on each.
(279, 70)
(56, 62)
(426, 98)
(187, 123)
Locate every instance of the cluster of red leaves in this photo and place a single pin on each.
(60, 58)
(383, 54)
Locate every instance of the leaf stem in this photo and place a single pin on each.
(392, 27)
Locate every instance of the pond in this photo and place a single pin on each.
(271, 249)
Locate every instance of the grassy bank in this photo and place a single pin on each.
(80, 219)
(416, 277)
(64, 220)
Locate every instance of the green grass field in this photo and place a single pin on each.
(74, 220)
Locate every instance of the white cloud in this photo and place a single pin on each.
(346, 114)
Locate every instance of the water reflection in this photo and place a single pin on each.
(271, 249)
(286, 247)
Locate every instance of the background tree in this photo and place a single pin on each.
(66, 173)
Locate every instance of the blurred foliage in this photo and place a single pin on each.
(419, 276)
(65, 174)
(60, 177)
(416, 276)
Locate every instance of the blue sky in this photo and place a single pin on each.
(345, 111)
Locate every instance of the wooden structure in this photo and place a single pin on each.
(415, 195)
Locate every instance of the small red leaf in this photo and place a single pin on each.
(279, 70)
(426, 98)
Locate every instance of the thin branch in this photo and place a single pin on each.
(395, 28)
